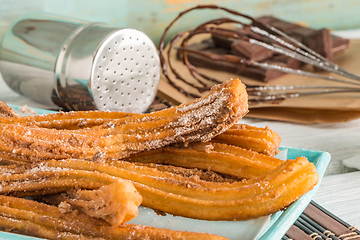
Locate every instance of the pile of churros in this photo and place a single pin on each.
(82, 175)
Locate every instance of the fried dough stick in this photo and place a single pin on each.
(262, 140)
(6, 111)
(73, 120)
(221, 158)
(199, 120)
(171, 193)
(258, 139)
(206, 175)
(41, 220)
(116, 203)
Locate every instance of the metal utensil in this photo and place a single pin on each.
(263, 35)
(80, 65)
(275, 93)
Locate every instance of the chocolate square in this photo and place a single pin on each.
(250, 51)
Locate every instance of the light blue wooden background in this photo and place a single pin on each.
(152, 16)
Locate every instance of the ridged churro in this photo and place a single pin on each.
(262, 140)
(221, 158)
(73, 120)
(42, 220)
(6, 111)
(116, 203)
(199, 120)
(171, 193)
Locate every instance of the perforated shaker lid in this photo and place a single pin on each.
(125, 72)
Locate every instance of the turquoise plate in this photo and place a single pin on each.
(282, 221)
(274, 228)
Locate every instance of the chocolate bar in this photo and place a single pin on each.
(250, 51)
(237, 68)
(208, 46)
(224, 42)
(321, 41)
(339, 45)
(277, 23)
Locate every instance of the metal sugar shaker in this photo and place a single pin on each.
(79, 65)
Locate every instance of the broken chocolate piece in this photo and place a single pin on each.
(318, 40)
(232, 67)
(321, 41)
(339, 45)
(277, 23)
(250, 51)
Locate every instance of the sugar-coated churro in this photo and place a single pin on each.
(116, 203)
(6, 111)
(199, 120)
(168, 192)
(262, 140)
(73, 120)
(221, 158)
(42, 220)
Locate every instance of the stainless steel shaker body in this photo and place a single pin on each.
(80, 65)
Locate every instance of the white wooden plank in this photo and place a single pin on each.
(340, 195)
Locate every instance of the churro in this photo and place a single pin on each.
(72, 120)
(116, 203)
(221, 158)
(262, 140)
(199, 120)
(42, 220)
(168, 192)
(6, 111)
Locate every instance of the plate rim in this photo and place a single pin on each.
(279, 226)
